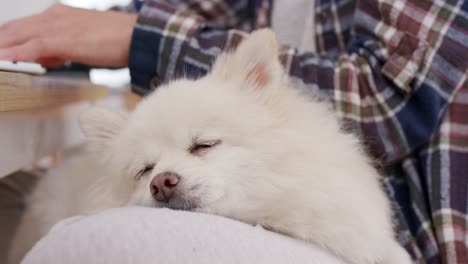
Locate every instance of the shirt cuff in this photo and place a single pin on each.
(159, 40)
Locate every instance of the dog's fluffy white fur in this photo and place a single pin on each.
(280, 160)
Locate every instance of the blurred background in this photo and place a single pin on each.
(19, 8)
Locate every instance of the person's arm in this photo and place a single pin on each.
(97, 38)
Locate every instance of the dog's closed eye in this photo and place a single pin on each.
(200, 147)
(143, 172)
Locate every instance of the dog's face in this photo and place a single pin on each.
(204, 145)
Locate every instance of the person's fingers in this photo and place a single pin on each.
(6, 54)
(19, 31)
(34, 50)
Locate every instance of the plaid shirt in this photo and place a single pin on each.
(396, 71)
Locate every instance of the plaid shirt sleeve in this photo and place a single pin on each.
(396, 72)
(169, 38)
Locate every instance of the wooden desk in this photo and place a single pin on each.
(38, 116)
(21, 91)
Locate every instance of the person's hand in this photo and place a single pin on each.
(63, 33)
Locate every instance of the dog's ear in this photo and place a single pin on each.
(254, 63)
(101, 125)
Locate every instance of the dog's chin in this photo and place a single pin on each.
(179, 204)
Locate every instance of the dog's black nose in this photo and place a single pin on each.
(163, 186)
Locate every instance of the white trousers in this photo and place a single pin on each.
(148, 235)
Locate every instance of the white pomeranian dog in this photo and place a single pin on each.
(242, 143)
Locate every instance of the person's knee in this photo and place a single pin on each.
(135, 235)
